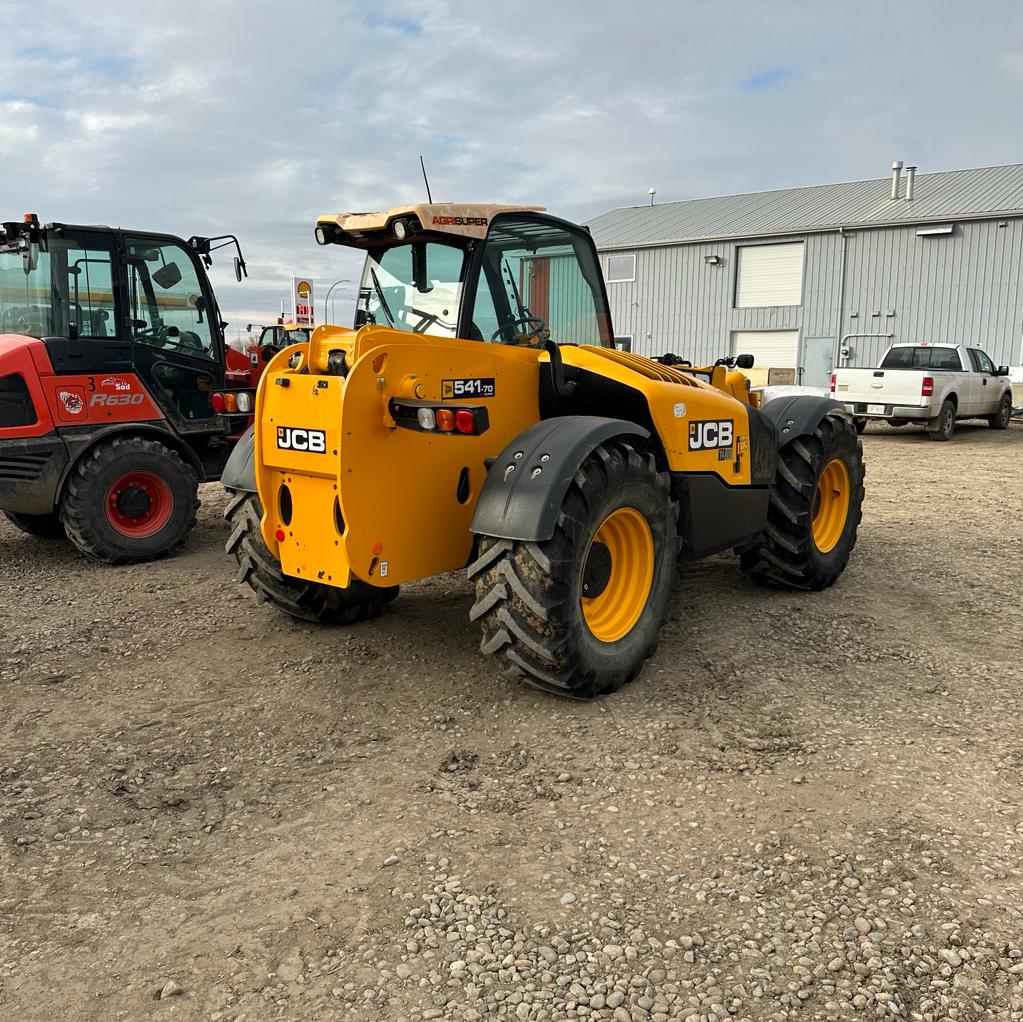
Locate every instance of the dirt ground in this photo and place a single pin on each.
(807, 806)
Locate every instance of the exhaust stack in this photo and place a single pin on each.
(910, 182)
(896, 173)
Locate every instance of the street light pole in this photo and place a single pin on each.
(327, 296)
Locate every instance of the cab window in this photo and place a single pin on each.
(981, 363)
(538, 281)
(167, 305)
(70, 286)
(415, 287)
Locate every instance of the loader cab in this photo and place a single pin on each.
(501, 275)
(106, 302)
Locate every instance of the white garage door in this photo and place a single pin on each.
(769, 275)
(773, 349)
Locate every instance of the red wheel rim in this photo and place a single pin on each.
(139, 504)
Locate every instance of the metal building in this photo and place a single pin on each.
(810, 278)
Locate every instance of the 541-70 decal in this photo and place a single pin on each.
(475, 386)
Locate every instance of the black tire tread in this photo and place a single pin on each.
(998, 421)
(40, 526)
(79, 516)
(783, 556)
(522, 587)
(306, 600)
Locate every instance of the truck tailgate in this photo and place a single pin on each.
(902, 387)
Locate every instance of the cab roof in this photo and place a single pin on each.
(467, 219)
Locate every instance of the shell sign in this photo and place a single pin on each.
(302, 301)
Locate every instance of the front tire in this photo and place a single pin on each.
(308, 601)
(41, 526)
(1001, 418)
(946, 422)
(578, 614)
(814, 510)
(129, 500)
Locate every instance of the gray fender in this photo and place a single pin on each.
(800, 414)
(240, 471)
(517, 502)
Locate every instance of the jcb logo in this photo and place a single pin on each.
(293, 439)
(707, 436)
(109, 400)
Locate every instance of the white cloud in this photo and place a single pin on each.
(254, 117)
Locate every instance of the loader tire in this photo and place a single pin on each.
(615, 539)
(129, 500)
(815, 506)
(308, 601)
(1001, 418)
(43, 526)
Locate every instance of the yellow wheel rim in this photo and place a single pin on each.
(831, 506)
(618, 569)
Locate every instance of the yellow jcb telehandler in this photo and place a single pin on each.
(478, 415)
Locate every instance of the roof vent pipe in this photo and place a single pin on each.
(910, 181)
(896, 172)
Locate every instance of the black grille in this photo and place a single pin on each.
(23, 468)
(16, 407)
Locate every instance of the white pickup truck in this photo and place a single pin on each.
(931, 384)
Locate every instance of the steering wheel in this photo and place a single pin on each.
(534, 331)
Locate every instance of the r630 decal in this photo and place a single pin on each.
(109, 400)
(708, 435)
(291, 438)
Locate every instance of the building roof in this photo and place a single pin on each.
(946, 195)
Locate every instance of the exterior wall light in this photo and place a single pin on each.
(712, 260)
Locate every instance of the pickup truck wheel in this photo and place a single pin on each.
(816, 502)
(946, 422)
(1000, 420)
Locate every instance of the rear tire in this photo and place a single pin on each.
(308, 601)
(1001, 418)
(814, 510)
(946, 422)
(616, 538)
(42, 526)
(129, 500)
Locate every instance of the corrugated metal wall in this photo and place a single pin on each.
(967, 287)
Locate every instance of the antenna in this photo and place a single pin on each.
(425, 179)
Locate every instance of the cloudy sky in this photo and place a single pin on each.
(252, 117)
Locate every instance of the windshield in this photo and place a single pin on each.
(69, 284)
(415, 287)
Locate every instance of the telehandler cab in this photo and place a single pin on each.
(479, 415)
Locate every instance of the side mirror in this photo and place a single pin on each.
(1002, 371)
(240, 269)
(744, 361)
(168, 275)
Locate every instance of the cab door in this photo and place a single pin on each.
(983, 391)
(175, 332)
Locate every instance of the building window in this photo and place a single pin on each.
(624, 343)
(769, 275)
(621, 268)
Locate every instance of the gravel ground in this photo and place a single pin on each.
(807, 807)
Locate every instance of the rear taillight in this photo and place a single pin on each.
(833, 375)
(232, 402)
(927, 386)
(433, 417)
